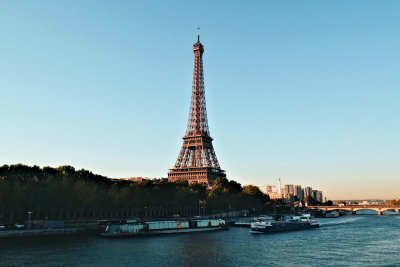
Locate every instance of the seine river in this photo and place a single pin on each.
(346, 241)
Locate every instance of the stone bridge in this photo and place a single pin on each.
(354, 208)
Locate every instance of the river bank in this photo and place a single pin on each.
(44, 232)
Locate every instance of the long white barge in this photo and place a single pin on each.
(132, 228)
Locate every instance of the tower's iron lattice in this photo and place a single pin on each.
(197, 161)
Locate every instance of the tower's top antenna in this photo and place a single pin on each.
(198, 34)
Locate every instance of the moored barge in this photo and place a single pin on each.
(131, 228)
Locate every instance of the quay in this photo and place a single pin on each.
(42, 232)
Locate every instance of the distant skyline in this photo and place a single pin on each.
(307, 91)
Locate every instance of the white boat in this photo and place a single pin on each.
(290, 223)
(246, 221)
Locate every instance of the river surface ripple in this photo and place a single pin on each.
(346, 241)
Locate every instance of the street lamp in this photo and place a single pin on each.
(29, 219)
(200, 202)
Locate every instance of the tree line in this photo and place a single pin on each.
(47, 190)
(395, 202)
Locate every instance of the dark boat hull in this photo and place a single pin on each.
(164, 232)
(284, 227)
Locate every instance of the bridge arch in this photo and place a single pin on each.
(354, 208)
(378, 211)
(339, 208)
(316, 208)
(390, 209)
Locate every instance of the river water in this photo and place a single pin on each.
(346, 241)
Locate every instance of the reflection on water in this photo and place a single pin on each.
(197, 247)
(340, 220)
(343, 241)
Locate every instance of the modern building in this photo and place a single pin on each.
(320, 197)
(279, 186)
(317, 195)
(289, 190)
(274, 195)
(266, 189)
(298, 191)
(308, 192)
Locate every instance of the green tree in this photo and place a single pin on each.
(328, 203)
(253, 198)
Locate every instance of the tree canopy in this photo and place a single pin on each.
(31, 188)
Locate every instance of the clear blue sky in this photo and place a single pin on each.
(308, 91)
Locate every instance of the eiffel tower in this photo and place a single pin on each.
(197, 162)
